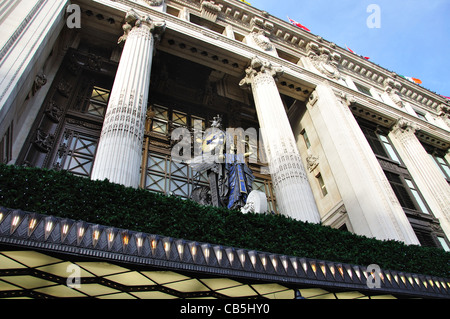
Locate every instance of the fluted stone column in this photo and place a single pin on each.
(433, 186)
(119, 152)
(290, 183)
(371, 204)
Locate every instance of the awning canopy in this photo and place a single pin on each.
(50, 257)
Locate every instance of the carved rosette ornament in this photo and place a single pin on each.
(324, 60)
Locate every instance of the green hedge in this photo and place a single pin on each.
(62, 194)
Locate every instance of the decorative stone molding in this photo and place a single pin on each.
(39, 82)
(210, 10)
(444, 113)
(54, 111)
(44, 141)
(312, 161)
(347, 99)
(324, 60)
(392, 88)
(154, 3)
(262, 41)
(313, 98)
(64, 88)
(404, 126)
(257, 24)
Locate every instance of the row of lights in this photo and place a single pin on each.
(219, 252)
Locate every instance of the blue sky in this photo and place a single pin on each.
(413, 39)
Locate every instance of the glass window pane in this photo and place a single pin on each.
(409, 183)
(306, 139)
(259, 186)
(420, 201)
(179, 169)
(391, 152)
(161, 113)
(441, 160)
(384, 138)
(100, 95)
(97, 109)
(159, 127)
(157, 163)
(447, 170)
(443, 243)
(179, 118)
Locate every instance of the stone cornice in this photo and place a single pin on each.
(292, 71)
(283, 33)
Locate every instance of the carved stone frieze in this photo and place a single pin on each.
(312, 161)
(262, 41)
(392, 88)
(43, 141)
(64, 88)
(94, 62)
(444, 113)
(324, 60)
(54, 111)
(39, 82)
(154, 3)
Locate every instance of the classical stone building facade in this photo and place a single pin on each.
(346, 142)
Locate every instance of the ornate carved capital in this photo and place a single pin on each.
(404, 126)
(134, 20)
(257, 67)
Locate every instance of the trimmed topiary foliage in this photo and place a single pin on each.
(65, 195)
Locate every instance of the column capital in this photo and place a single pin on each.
(258, 67)
(404, 126)
(134, 20)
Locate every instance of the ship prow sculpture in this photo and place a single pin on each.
(230, 179)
